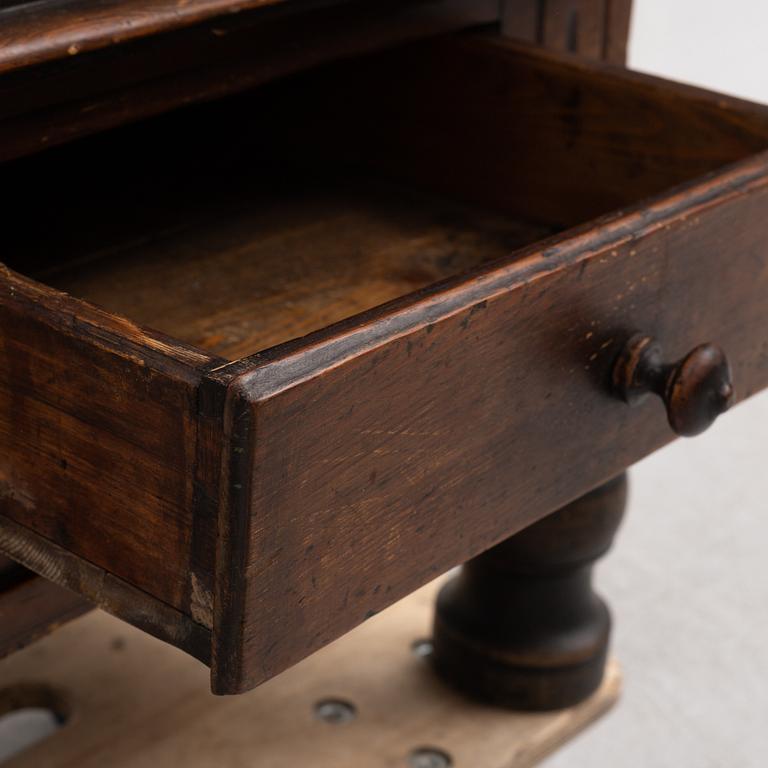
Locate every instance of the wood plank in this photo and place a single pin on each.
(135, 702)
(98, 415)
(33, 33)
(32, 607)
(53, 103)
(250, 275)
(570, 139)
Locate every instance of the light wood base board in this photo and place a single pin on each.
(134, 702)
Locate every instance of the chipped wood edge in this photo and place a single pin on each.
(108, 592)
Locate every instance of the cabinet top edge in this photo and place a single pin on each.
(34, 33)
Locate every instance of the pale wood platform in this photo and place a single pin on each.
(133, 702)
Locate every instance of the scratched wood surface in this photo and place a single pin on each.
(99, 439)
(394, 444)
(427, 455)
(68, 68)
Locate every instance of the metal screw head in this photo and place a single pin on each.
(429, 757)
(335, 711)
(422, 648)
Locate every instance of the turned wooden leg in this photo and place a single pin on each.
(520, 626)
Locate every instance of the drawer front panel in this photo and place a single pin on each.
(403, 443)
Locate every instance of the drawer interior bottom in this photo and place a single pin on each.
(257, 270)
(244, 223)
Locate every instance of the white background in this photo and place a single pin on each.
(688, 577)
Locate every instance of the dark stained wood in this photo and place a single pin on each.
(33, 33)
(53, 103)
(7, 566)
(570, 140)
(368, 476)
(218, 236)
(521, 19)
(597, 29)
(98, 415)
(618, 18)
(108, 591)
(695, 390)
(252, 511)
(520, 625)
(575, 26)
(32, 607)
(49, 30)
(246, 278)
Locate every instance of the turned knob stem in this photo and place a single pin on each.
(695, 390)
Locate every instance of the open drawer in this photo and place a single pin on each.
(386, 313)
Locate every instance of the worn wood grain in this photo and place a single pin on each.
(98, 416)
(574, 158)
(248, 277)
(269, 504)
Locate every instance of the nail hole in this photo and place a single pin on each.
(429, 757)
(29, 714)
(422, 648)
(118, 644)
(335, 711)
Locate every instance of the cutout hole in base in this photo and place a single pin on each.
(29, 714)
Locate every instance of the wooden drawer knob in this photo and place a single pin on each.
(695, 389)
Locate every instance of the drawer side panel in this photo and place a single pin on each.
(98, 431)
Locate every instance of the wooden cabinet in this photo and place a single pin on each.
(272, 362)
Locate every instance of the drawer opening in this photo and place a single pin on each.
(237, 225)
